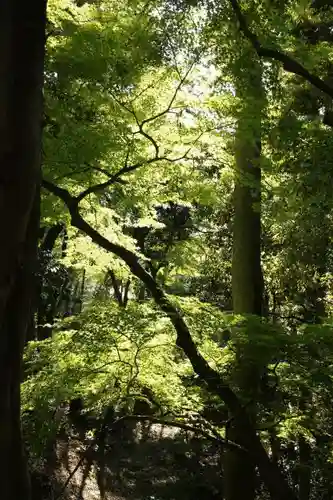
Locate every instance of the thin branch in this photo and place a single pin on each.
(150, 139)
(161, 113)
(76, 468)
(289, 64)
(102, 171)
(88, 168)
(167, 109)
(112, 180)
(73, 172)
(126, 170)
(174, 55)
(181, 425)
(100, 368)
(127, 157)
(149, 86)
(122, 104)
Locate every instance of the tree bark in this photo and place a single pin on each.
(304, 473)
(116, 288)
(247, 280)
(22, 39)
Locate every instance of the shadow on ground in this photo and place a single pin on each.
(149, 464)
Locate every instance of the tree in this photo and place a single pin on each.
(216, 384)
(21, 54)
(247, 280)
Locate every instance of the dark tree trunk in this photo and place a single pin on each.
(15, 326)
(304, 475)
(120, 291)
(239, 469)
(45, 313)
(275, 446)
(125, 292)
(116, 288)
(22, 38)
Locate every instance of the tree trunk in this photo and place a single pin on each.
(45, 313)
(116, 288)
(304, 474)
(22, 37)
(247, 281)
(239, 469)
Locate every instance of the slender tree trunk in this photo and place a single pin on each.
(126, 292)
(304, 475)
(116, 288)
(275, 446)
(239, 469)
(247, 281)
(22, 38)
(45, 314)
(82, 288)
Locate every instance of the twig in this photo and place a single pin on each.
(167, 109)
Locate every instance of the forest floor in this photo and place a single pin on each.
(156, 463)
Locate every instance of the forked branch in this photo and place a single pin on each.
(156, 158)
(126, 169)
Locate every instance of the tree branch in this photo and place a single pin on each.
(181, 425)
(126, 169)
(142, 123)
(105, 172)
(61, 193)
(289, 64)
(150, 139)
(184, 339)
(173, 98)
(130, 168)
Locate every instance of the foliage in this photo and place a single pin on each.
(140, 124)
